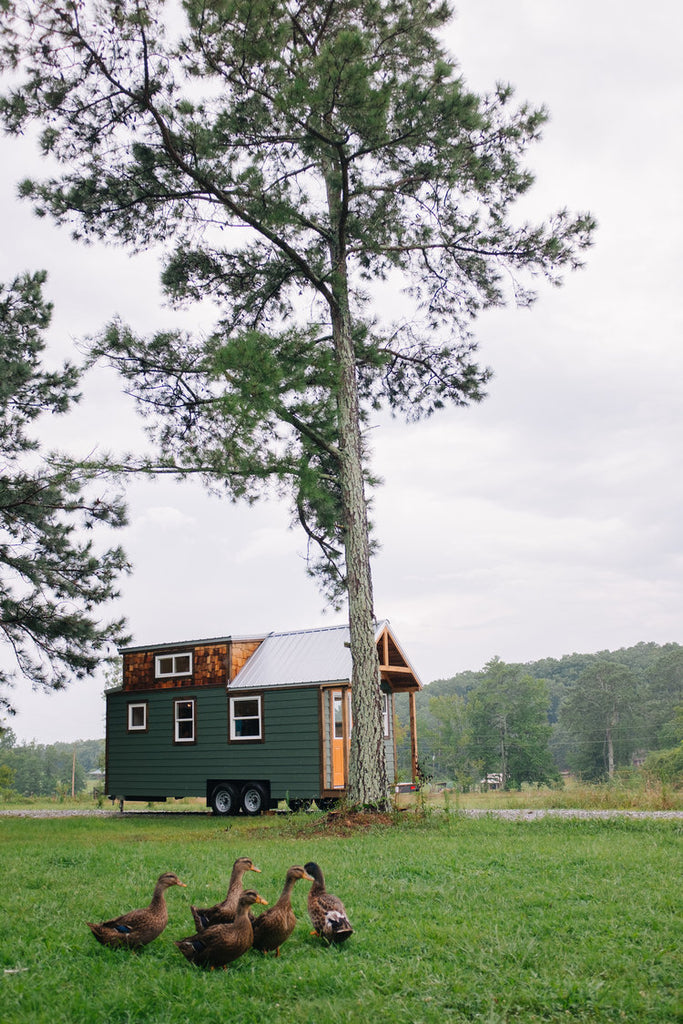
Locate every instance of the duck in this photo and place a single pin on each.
(138, 927)
(220, 944)
(327, 912)
(226, 911)
(274, 926)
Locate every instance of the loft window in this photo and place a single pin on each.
(184, 719)
(167, 665)
(246, 718)
(137, 717)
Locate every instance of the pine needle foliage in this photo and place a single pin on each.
(322, 172)
(53, 578)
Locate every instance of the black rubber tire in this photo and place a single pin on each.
(253, 799)
(224, 799)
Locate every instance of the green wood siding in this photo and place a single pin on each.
(151, 764)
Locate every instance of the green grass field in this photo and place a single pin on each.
(456, 920)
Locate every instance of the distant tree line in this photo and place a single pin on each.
(36, 769)
(590, 714)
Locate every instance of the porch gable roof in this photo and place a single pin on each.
(314, 657)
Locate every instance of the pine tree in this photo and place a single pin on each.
(322, 172)
(52, 580)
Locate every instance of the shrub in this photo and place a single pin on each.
(666, 765)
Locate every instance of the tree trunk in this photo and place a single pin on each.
(610, 753)
(502, 727)
(367, 766)
(610, 747)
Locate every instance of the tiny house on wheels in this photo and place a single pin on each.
(245, 721)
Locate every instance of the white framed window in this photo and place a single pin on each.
(339, 697)
(166, 665)
(246, 722)
(184, 718)
(385, 714)
(338, 715)
(137, 716)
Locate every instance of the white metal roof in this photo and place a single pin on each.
(304, 657)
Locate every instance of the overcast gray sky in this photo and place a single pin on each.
(542, 522)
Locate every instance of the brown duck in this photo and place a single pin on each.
(226, 911)
(220, 944)
(327, 913)
(138, 927)
(274, 926)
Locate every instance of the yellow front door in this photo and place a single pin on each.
(340, 729)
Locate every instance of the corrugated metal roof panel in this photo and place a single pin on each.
(301, 658)
(310, 656)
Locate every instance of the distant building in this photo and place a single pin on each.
(492, 781)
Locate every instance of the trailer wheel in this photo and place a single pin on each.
(224, 799)
(253, 799)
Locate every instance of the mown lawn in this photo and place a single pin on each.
(456, 920)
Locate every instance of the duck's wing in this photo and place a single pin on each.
(201, 917)
(330, 919)
(127, 922)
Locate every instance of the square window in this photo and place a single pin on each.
(245, 718)
(184, 716)
(137, 717)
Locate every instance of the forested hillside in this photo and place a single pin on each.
(588, 713)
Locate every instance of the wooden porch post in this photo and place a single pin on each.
(413, 736)
(392, 726)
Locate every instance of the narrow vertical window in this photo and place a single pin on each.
(184, 716)
(338, 716)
